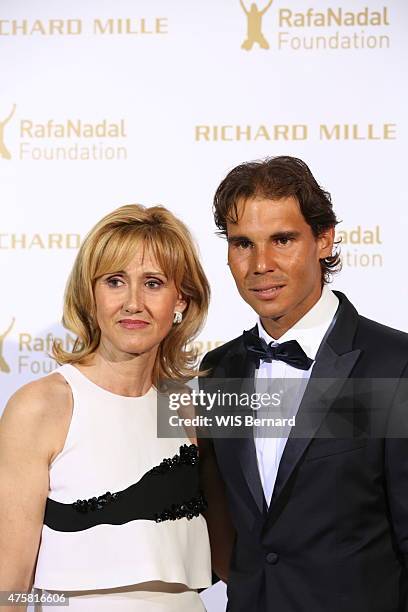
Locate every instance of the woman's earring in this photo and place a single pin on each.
(178, 317)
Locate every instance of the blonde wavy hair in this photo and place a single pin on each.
(109, 247)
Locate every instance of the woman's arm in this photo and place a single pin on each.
(32, 430)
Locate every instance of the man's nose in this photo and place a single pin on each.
(263, 260)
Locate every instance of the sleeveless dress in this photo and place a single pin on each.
(124, 509)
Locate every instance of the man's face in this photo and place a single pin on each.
(274, 259)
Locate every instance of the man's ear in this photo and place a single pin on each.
(325, 243)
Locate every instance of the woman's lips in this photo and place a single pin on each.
(269, 292)
(133, 324)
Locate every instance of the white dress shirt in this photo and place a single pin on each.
(309, 332)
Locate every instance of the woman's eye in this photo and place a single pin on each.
(114, 282)
(153, 284)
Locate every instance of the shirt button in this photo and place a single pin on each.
(272, 558)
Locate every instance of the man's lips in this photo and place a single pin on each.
(267, 291)
(133, 323)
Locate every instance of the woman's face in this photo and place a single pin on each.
(135, 307)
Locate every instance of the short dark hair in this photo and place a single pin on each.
(276, 178)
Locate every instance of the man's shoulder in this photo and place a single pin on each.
(214, 357)
(368, 332)
(382, 335)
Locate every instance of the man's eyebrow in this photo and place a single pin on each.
(285, 234)
(232, 239)
(275, 236)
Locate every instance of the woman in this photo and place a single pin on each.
(92, 503)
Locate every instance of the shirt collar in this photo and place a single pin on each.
(309, 331)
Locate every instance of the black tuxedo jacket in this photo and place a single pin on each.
(335, 536)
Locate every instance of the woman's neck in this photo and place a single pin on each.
(128, 375)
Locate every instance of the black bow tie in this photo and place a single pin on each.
(290, 352)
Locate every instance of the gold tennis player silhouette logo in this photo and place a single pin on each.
(4, 152)
(254, 27)
(4, 366)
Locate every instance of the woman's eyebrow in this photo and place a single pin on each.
(154, 273)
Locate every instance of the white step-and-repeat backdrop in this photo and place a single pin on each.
(108, 102)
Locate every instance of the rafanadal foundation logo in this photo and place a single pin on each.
(254, 17)
(4, 152)
(30, 353)
(69, 138)
(331, 28)
(4, 366)
(361, 246)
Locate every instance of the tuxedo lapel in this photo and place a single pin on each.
(334, 363)
(241, 370)
(247, 458)
(333, 369)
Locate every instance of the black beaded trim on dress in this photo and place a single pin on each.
(95, 503)
(168, 491)
(189, 509)
(188, 455)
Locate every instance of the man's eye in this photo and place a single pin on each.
(243, 244)
(284, 240)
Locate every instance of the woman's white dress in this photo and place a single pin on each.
(95, 550)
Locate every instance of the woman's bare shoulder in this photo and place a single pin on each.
(42, 408)
(40, 398)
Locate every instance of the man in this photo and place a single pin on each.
(321, 515)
